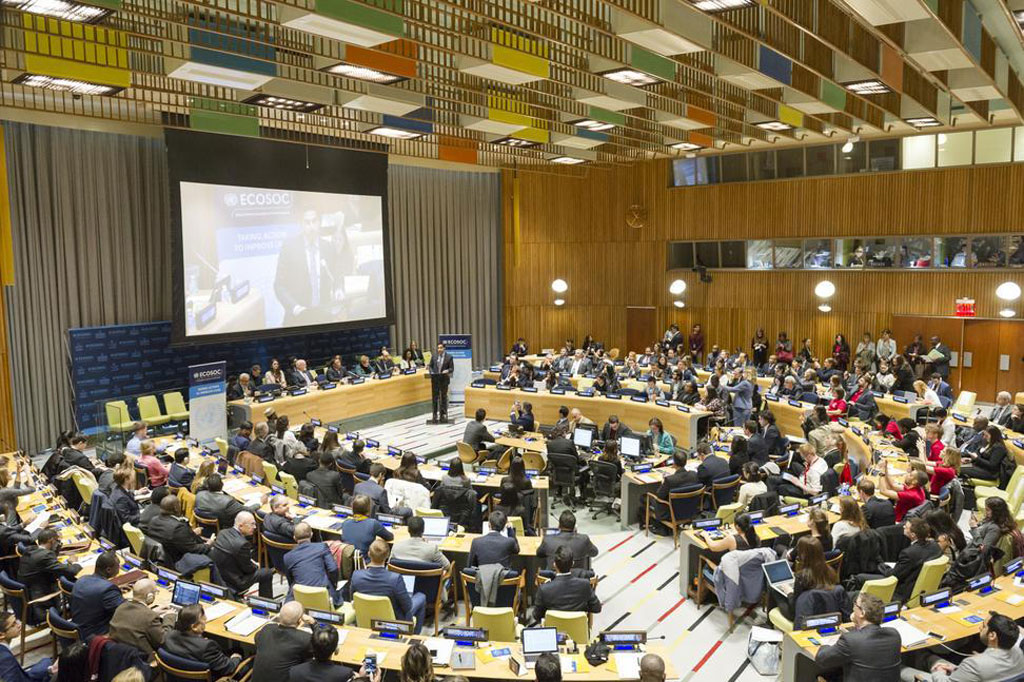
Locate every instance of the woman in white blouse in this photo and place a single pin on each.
(885, 349)
(926, 395)
(275, 375)
(753, 484)
(851, 519)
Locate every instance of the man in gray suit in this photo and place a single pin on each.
(1002, 659)
(742, 396)
(870, 653)
(374, 489)
(477, 436)
(415, 548)
(583, 550)
(214, 503)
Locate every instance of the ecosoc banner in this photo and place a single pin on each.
(460, 347)
(207, 398)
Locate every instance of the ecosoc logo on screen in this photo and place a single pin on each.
(260, 199)
(454, 341)
(203, 374)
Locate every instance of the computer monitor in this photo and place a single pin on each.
(629, 446)
(185, 593)
(538, 641)
(435, 526)
(582, 437)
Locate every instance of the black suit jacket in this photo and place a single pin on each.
(176, 537)
(314, 671)
(278, 649)
(582, 548)
(440, 364)
(757, 449)
(677, 480)
(870, 654)
(202, 650)
(606, 431)
(493, 548)
(711, 468)
(39, 569)
(908, 565)
(565, 593)
(127, 508)
(350, 460)
(328, 483)
(280, 526)
(234, 553)
(773, 439)
(879, 512)
(73, 457)
(263, 449)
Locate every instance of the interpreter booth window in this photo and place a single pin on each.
(855, 160)
(699, 171)
(850, 253)
(733, 167)
(680, 255)
(955, 149)
(988, 252)
(1016, 251)
(733, 254)
(951, 252)
(707, 254)
(919, 152)
(791, 162)
(788, 253)
(762, 165)
(916, 252)
(881, 253)
(759, 254)
(818, 253)
(821, 160)
(1018, 143)
(884, 155)
(993, 146)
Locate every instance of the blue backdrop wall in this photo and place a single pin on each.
(124, 361)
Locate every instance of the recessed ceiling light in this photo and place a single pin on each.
(686, 146)
(283, 103)
(923, 122)
(66, 85)
(60, 9)
(592, 125)
(364, 74)
(516, 142)
(721, 5)
(872, 86)
(568, 160)
(631, 77)
(774, 125)
(395, 133)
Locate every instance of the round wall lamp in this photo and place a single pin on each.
(1008, 291)
(679, 304)
(824, 289)
(1007, 312)
(559, 286)
(825, 308)
(559, 301)
(677, 287)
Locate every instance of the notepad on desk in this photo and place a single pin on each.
(218, 610)
(235, 484)
(321, 521)
(37, 523)
(648, 478)
(1011, 598)
(627, 665)
(245, 623)
(909, 635)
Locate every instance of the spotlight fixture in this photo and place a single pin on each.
(923, 122)
(825, 308)
(559, 301)
(678, 303)
(592, 125)
(631, 77)
(872, 86)
(686, 146)
(559, 286)
(364, 74)
(1018, 15)
(516, 142)
(568, 160)
(721, 5)
(848, 147)
(71, 85)
(283, 103)
(824, 289)
(677, 287)
(1008, 291)
(1007, 312)
(777, 126)
(395, 133)
(60, 9)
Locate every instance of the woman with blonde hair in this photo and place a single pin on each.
(205, 470)
(945, 470)
(926, 395)
(851, 519)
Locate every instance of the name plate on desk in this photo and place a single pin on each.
(770, 398)
(265, 398)
(878, 394)
(683, 408)
(237, 293)
(351, 435)
(585, 394)
(370, 443)
(503, 387)
(276, 489)
(558, 391)
(638, 398)
(529, 389)
(479, 383)
(297, 391)
(855, 430)
(613, 396)
(641, 468)
(900, 400)
(358, 380)
(495, 368)
(315, 422)
(386, 375)
(662, 403)
(409, 370)
(328, 386)
(332, 429)
(843, 422)
(1019, 444)
(396, 452)
(795, 403)
(193, 442)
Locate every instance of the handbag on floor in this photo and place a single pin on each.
(764, 650)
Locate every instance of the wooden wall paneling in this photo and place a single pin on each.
(949, 330)
(982, 340)
(1011, 342)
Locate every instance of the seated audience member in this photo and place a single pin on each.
(360, 529)
(932, 442)
(517, 474)
(240, 388)
(477, 435)
(377, 580)
(988, 462)
(810, 572)
(138, 622)
(851, 519)
(281, 645)
(275, 374)
(456, 476)
(887, 426)
(565, 592)
(416, 548)
(128, 510)
(757, 446)
(187, 640)
(711, 467)
(155, 469)
(510, 504)
(677, 479)
(417, 665)
(94, 599)
(300, 465)
(354, 458)
(652, 668)
(406, 492)
(610, 454)
(909, 442)
(907, 495)
(373, 488)
(336, 371)
(996, 524)
(180, 476)
(945, 470)
(744, 536)
(152, 510)
(363, 368)
(74, 455)
(307, 436)
(214, 503)
(819, 430)
(279, 522)
(522, 416)
(770, 432)
(547, 668)
(327, 481)
(39, 569)
(614, 429)
(869, 653)
(324, 643)
(807, 484)
(1002, 411)
(174, 533)
(10, 669)
(922, 548)
(494, 547)
(311, 564)
(753, 484)
(140, 432)
(660, 440)
(878, 511)
(583, 550)
(243, 437)
(235, 555)
(1001, 658)
(259, 445)
(817, 524)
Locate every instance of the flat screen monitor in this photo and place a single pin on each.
(582, 437)
(540, 640)
(629, 446)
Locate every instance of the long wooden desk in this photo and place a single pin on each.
(685, 426)
(344, 401)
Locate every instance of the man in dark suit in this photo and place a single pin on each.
(137, 622)
(908, 564)
(300, 376)
(757, 446)
(174, 534)
(39, 570)
(870, 653)
(152, 510)
(579, 543)
(383, 364)
(94, 598)
(565, 592)
(327, 480)
(127, 508)
(279, 521)
(311, 564)
(940, 366)
(243, 437)
(75, 456)
(322, 668)
(377, 580)
(179, 475)
(770, 432)
(259, 445)
(878, 512)
(711, 465)
(522, 416)
(234, 554)
(187, 640)
(354, 459)
(494, 547)
(477, 435)
(303, 279)
(614, 429)
(677, 479)
(373, 488)
(214, 503)
(281, 645)
(442, 366)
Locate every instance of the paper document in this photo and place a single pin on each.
(441, 649)
(909, 635)
(37, 523)
(253, 498)
(218, 610)
(88, 561)
(235, 484)
(320, 521)
(245, 623)
(628, 665)
(795, 480)
(649, 478)
(431, 474)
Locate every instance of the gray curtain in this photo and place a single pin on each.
(446, 241)
(89, 215)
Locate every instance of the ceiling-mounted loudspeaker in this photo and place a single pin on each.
(636, 216)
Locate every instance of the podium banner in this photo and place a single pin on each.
(460, 347)
(207, 397)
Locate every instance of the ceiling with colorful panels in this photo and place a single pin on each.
(545, 83)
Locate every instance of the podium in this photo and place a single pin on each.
(439, 396)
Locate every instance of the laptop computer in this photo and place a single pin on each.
(780, 576)
(537, 641)
(185, 594)
(435, 528)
